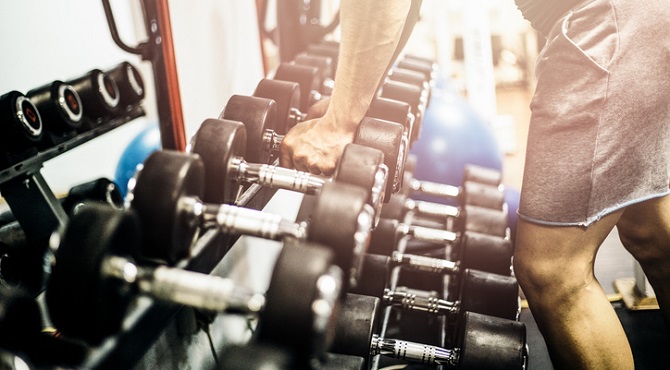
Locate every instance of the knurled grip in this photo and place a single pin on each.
(238, 220)
(435, 189)
(283, 178)
(415, 352)
(435, 210)
(195, 290)
(425, 264)
(426, 234)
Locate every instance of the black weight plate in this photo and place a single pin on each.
(82, 303)
(322, 63)
(374, 277)
(384, 238)
(59, 105)
(257, 115)
(356, 324)
(307, 77)
(482, 195)
(395, 207)
(288, 319)
(484, 220)
(358, 166)
(493, 343)
(21, 121)
(218, 142)
(482, 175)
(20, 319)
(286, 95)
(489, 294)
(335, 223)
(166, 178)
(386, 136)
(99, 94)
(486, 253)
(391, 110)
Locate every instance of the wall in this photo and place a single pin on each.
(217, 52)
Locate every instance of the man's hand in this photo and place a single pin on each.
(314, 146)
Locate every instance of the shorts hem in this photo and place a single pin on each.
(592, 219)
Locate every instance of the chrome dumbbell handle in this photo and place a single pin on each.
(238, 220)
(426, 264)
(426, 234)
(278, 177)
(435, 189)
(184, 287)
(431, 210)
(415, 352)
(410, 301)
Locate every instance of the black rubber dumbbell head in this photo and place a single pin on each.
(99, 95)
(342, 220)
(488, 342)
(356, 324)
(60, 107)
(286, 95)
(307, 77)
(258, 115)
(130, 83)
(82, 303)
(166, 179)
(294, 315)
(386, 136)
(489, 294)
(219, 143)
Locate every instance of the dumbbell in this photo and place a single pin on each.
(476, 250)
(259, 117)
(129, 82)
(481, 186)
(22, 336)
(465, 218)
(486, 342)
(480, 291)
(325, 67)
(413, 95)
(61, 111)
(166, 195)
(99, 95)
(95, 280)
(221, 145)
(286, 94)
(21, 128)
(307, 77)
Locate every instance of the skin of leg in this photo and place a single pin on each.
(554, 267)
(644, 229)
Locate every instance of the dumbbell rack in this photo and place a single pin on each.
(386, 313)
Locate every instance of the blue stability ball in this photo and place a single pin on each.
(453, 135)
(139, 148)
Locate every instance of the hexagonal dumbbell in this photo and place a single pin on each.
(222, 144)
(259, 117)
(95, 279)
(167, 197)
(485, 342)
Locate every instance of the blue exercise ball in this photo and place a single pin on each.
(138, 149)
(453, 135)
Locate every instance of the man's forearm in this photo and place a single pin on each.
(370, 33)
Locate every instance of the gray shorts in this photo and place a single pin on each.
(599, 136)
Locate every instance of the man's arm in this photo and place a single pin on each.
(370, 33)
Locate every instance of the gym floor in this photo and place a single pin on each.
(645, 329)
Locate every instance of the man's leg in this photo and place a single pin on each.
(554, 266)
(644, 230)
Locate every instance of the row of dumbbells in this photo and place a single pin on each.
(51, 114)
(178, 207)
